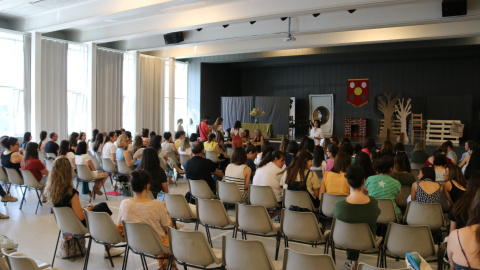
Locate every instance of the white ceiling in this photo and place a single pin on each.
(140, 25)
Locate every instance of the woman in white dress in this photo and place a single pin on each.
(316, 133)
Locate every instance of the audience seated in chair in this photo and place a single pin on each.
(109, 149)
(426, 190)
(459, 214)
(34, 165)
(454, 185)
(11, 158)
(238, 172)
(334, 181)
(199, 168)
(51, 147)
(269, 172)
(122, 154)
(402, 171)
(151, 164)
(82, 158)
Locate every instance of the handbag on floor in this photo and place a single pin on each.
(68, 247)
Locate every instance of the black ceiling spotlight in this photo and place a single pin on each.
(199, 29)
(351, 11)
(316, 14)
(283, 18)
(252, 22)
(225, 25)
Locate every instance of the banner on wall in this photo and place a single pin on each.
(357, 93)
(321, 108)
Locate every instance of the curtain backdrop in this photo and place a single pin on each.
(276, 112)
(54, 87)
(109, 90)
(150, 94)
(236, 108)
(27, 78)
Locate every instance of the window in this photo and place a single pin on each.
(181, 93)
(77, 89)
(12, 113)
(166, 124)
(129, 92)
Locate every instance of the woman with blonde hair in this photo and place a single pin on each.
(258, 138)
(217, 126)
(122, 154)
(185, 147)
(221, 144)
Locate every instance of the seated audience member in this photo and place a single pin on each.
(141, 209)
(43, 140)
(199, 168)
(269, 172)
(455, 184)
(34, 165)
(358, 207)
(298, 176)
(463, 244)
(165, 162)
(283, 145)
(193, 138)
(236, 134)
(426, 190)
(81, 158)
(27, 137)
(246, 137)
(129, 142)
(363, 160)
(466, 153)
(334, 140)
(73, 141)
(450, 153)
(347, 148)
(179, 125)
(82, 136)
(221, 144)
(459, 213)
(151, 164)
(316, 133)
(419, 155)
(309, 145)
(370, 148)
(257, 138)
(473, 160)
(387, 149)
(237, 171)
(265, 146)
(11, 157)
(439, 165)
(109, 149)
(122, 154)
(331, 152)
(145, 136)
(301, 145)
(334, 181)
(229, 137)
(292, 150)
(357, 148)
(402, 171)
(185, 147)
(382, 185)
(252, 153)
(179, 135)
(91, 142)
(318, 158)
(211, 146)
(440, 150)
(64, 151)
(344, 141)
(98, 144)
(51, 147)
(169, 147)
(399, 147)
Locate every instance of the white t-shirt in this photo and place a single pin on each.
(187, 151)
(268, 175)
(82, 159)
(316, 133)
(168, 146)
(70, 157)
(108, 149)
(238, 132)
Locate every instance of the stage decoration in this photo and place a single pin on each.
(357, 93)
(386, 104)
(403, 110)
(257, 112)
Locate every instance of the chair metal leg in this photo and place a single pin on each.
(125, 258)
(105, 192)
(23, 197)
(56, 246)
(208, 235)
(277, 247)
(39, 201)
(333, 251)
(143, 263)
(87, 255)
(196, 225)
(109, 256)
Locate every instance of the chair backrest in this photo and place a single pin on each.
(229, 192)
(262, 195)
(42, 156)
(84, 172)
(404, 193)
(428, 214)
(184, 159)
(402, 238)
(18, 261)
(102, 228)
(30, 180)
(3, 175)
(301, 226)
(109, 166)
(363, 266)
(253, 219)
(212, 212)
(142, 238)
(417, 121)
(357, 236)
(444, 203)
(200, 189)
(14, 177)
(387, 211)
(51, 156)
(298, 198)
(318, 172)
(67, 221)
(98, 155)
(235, 252)
(212, 155)
(191, 247)
(417, 166)
(177, 207)
(123, 168)
(415, 173)
(293, 260)
(49, 164)
(96, 163)
(328, 202)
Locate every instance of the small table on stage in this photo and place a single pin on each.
(267, 129)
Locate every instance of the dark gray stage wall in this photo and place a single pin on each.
(443, 83)
(236, 109)
(276, 112)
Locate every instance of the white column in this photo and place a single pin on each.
(36, 85)
(92, 83)
(171, 80)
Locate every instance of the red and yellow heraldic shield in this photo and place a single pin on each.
(357, 93)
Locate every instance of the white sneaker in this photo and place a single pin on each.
(114, 252)
(180, 225)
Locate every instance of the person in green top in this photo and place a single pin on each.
(358, 207)
(402, 170)
(419, 155)
(382, 185)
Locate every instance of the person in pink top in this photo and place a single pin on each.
(331, 152)
(203, 129)
(236, 134)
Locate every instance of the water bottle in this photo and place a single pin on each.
(120, 189)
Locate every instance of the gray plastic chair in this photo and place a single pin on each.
(96, 164)
(178, 209)
(293, 260)
(69, 224)
(123, 168)
(387, 212)
(51, 156)
(356, 236)
(318, 172)
(327, 202)
(404, 193)
(428, 214)
(16, 179)
(298, 198)
(405, 238)
(19, 261)
(4, 179)
(142, 240)
(32, 183)
(104, 232)
(417, 166)
(302, 227)
(42, 156)
(255, 220)
(184, 159)
(212, 155)
(49, 164)
(229, 193)
(263, 195)
(86, 175)
(212, 214)
(110, 168)
(247, 254)
(363, 266)
(192, 249)
(200, 189)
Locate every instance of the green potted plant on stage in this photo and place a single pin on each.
(257, 112)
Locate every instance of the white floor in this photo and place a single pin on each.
(36, 235)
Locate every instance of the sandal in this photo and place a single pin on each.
(2, 216)
(349, 266)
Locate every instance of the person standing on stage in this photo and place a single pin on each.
(316, 133)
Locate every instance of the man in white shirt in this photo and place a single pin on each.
(316, 133)
(109, 149)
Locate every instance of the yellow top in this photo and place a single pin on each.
(210, 146)
(336, 183)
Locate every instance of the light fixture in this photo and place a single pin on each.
(315, 14)
(199, 29)
(283, 18)
(225, 25)
(253, 22)
(351, 11)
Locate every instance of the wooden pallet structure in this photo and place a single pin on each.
(438, 132)
(396, 127)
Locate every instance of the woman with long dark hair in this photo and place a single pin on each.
(63, 151)
(27, 137)
(426, 190)
(318, 158)
(459, 213)
(455, 184)
(237, 134)
(237, 171)
(402, 170)
(334, 181)
(31, 162)
(363, 160)
(98, 145)
(91, 141)
(269, 172)
(331, 152)
(73, 141)
(291, 151)
(151, 164)
(43, 140)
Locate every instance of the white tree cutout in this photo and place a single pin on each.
(403, 110)
(386, 104)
